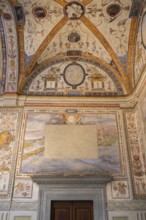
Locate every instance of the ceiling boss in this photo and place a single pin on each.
(74, 10)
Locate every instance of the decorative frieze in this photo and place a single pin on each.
(9, 136)
(136, 153)
(126, 205)
(18, 206)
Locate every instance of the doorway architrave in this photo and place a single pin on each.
(70, 189)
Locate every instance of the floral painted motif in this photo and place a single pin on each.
(22, 188)
(136, 152)
(120, 189)
(74, 10)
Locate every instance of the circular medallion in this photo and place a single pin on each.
(7, 16)
(74, 37)
(39, 12)
(74, 75)
(113, 10)
(72, 118)
(74, 10)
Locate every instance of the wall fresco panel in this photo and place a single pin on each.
(136, 153)
(9, 123)
(140, 49)
(60, 80)
(23, 188)
(12, 47)
(110, 143)
(143, 108)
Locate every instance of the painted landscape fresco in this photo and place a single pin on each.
(34, 162)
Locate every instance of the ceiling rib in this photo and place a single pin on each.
(104, 42)
(86, 2)
(131, 48)
(61, 2)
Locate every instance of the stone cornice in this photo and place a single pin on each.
(14, 100)
(43, 180)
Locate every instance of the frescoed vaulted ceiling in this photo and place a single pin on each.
(72, 48)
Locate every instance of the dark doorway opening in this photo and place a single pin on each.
(72, 210)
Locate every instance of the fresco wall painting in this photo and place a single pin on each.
(11, 42)
(41, 17)
(45, 16)
(73, 79)
(9, 122)
(2, 58)
(140, 49)
(120, 189)
(116, 31)
(109, 143)
(143, 108)
(136, 154)
(78, 39)
(23, 188)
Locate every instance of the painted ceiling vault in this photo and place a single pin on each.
(72, 48)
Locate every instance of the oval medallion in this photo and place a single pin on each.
(74, 75)
(74, 37)
(39, 12)
(113, 10)
(7, 16)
